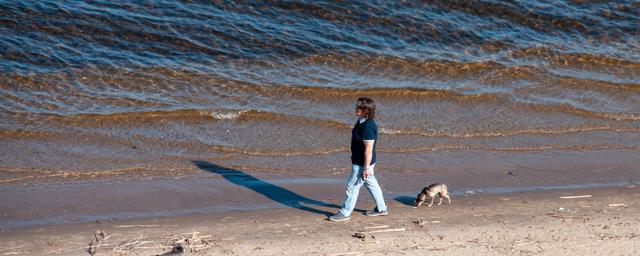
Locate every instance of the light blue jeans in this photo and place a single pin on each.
(353, 188)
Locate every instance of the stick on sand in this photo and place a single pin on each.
(386, 230)
(574, 197)
(381, 226)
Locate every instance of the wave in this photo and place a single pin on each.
(576, 110)
(50, 35)
(246, 116)
(510, 149)
(552, 19)
(21, 176)
(519, 58)
(387, 95)
(439, 147)
(506, 133)
(134, 118)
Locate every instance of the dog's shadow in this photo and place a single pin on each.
(406, 200)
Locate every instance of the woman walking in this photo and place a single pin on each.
(364, 137)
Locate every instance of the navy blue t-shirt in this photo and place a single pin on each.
(367, 130)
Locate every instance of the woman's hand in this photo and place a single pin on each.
(365, 173)
(368, 155)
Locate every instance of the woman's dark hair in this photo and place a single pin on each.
(368, 107)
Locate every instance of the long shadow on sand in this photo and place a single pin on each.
(273, 192)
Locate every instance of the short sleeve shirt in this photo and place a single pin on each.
(367, 130)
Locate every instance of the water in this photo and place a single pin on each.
(95, 88)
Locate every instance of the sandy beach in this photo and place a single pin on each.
(224, 127)
(555, 222)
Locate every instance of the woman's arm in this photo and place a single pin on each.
(368, 155)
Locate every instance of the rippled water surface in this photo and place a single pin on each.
(90, 88)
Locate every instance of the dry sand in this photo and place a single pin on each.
(607, 222)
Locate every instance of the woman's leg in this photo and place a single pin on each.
(371, 183)
(353, 188)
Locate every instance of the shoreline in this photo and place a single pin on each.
(602, 220)
(60, 203)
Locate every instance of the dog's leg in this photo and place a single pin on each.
(448, 199)
(440, 201)
(431, 199)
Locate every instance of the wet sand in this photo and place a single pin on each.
(597, 221)
(208, 188)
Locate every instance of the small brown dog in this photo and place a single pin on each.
(431, 191)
